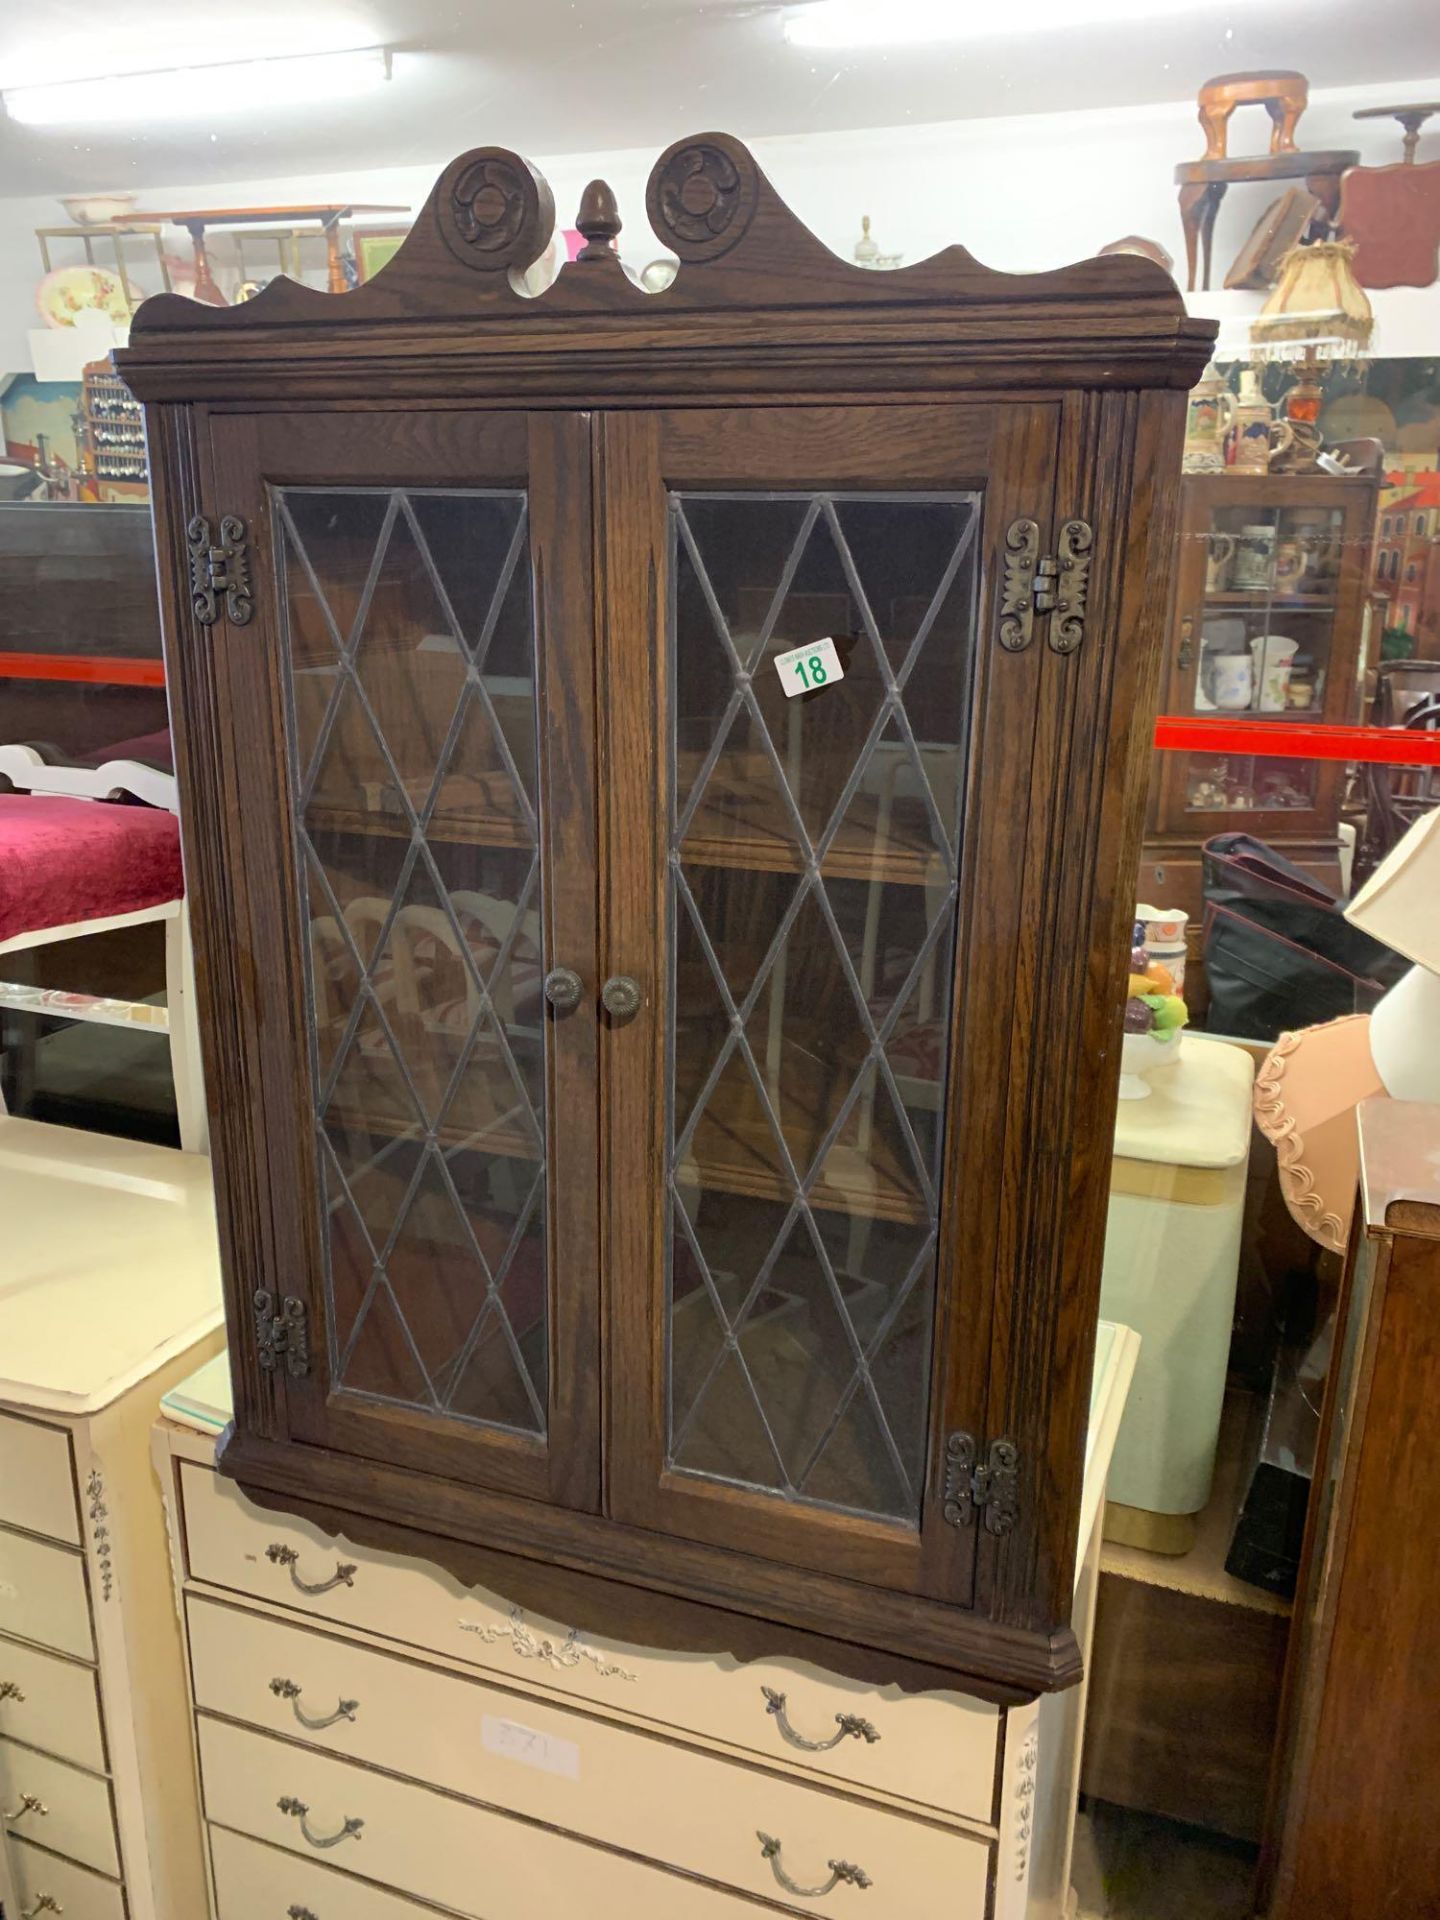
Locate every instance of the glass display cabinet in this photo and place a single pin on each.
(662, 781)
(1268, 625)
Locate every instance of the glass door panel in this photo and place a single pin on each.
(419, 1131)
(1270, 607)
(409, 650)
(813, 871)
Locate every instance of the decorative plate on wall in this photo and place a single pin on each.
(69, 291)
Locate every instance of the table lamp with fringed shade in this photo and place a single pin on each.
(1316, 313)
(1400, 904)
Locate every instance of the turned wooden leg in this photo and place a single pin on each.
(1215, 121)
(205, 284)
(1190, 201)
(1284, 118)
(1210, 206)
(333, 260)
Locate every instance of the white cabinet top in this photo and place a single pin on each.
(109, 1265)
(1198, 1111)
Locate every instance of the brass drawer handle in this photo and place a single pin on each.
(44, 1903)
(10, 1691)
(840, 1870)
(343, 1576)
(851, 1726)
(298, 1810)
(29, 1803)
(317, 1723)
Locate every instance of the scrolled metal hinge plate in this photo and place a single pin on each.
(991, 1491)
(1017, 605)
(219, 569)
(1067, 622)
(281, 1332)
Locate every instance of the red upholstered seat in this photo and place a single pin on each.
(65, 860)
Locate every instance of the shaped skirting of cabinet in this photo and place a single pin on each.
(684, 775)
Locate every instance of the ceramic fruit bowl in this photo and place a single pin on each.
(96, 209)
(1144, 1054)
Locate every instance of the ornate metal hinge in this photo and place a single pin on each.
(1072, 587)
(992, 1491)
(1056, 585)
(281, 1331)
(219, 567)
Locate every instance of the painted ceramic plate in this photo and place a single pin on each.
(69, 291)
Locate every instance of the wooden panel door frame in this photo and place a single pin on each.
(251, 856)
(1008, 450)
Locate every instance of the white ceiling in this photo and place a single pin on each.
(574, 76)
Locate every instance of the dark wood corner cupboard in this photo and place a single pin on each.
(664, 778)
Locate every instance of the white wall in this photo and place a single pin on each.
(1021, 193)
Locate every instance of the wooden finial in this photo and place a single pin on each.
(599, 221)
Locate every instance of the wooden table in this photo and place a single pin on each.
(195, 220)
(1203, 185)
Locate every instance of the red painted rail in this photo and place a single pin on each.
(88, 669)
(1298, 740)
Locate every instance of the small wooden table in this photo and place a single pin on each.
(196, 220)
(1203, 185)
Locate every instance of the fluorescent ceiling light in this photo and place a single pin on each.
(909, 23)
(202, 92)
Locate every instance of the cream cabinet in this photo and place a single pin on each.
(110, 1295)
(368, 1729)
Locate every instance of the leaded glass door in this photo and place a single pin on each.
(422, 625)
(816, 678)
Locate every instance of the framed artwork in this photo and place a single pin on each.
(375, 247)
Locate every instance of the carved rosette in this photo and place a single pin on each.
(495, 212)
(701, 196)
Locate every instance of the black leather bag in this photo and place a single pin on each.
(1279, 952)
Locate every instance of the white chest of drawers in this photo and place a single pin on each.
(109, 1294)
(375, 1742)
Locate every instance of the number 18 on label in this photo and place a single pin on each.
(802, 669)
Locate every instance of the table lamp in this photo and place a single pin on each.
(1400, 904)
(1317, 312)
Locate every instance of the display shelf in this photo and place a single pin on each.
(733, 1148)
(1261, 602)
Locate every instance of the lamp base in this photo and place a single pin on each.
(1405, 1037)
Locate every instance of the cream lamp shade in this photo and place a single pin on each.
(1400, 905)
(1316, 303)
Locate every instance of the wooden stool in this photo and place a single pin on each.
(1203, 184)
(1282, 94)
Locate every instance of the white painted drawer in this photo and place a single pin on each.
(936, 1749)
(683, 1807)
(74, 1816)
(253, 1882)
(42, 1595)
(476, 1861)
(37, 1479)
(51, 1703)
(74, 1891)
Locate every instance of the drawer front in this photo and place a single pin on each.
(51, 1703)
(938, 1750)
(58, 1807)
(42, 1595)
(253, 1882)
(665, 1803)
(37, 1479)
(73, 1891)
(480, 1862)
